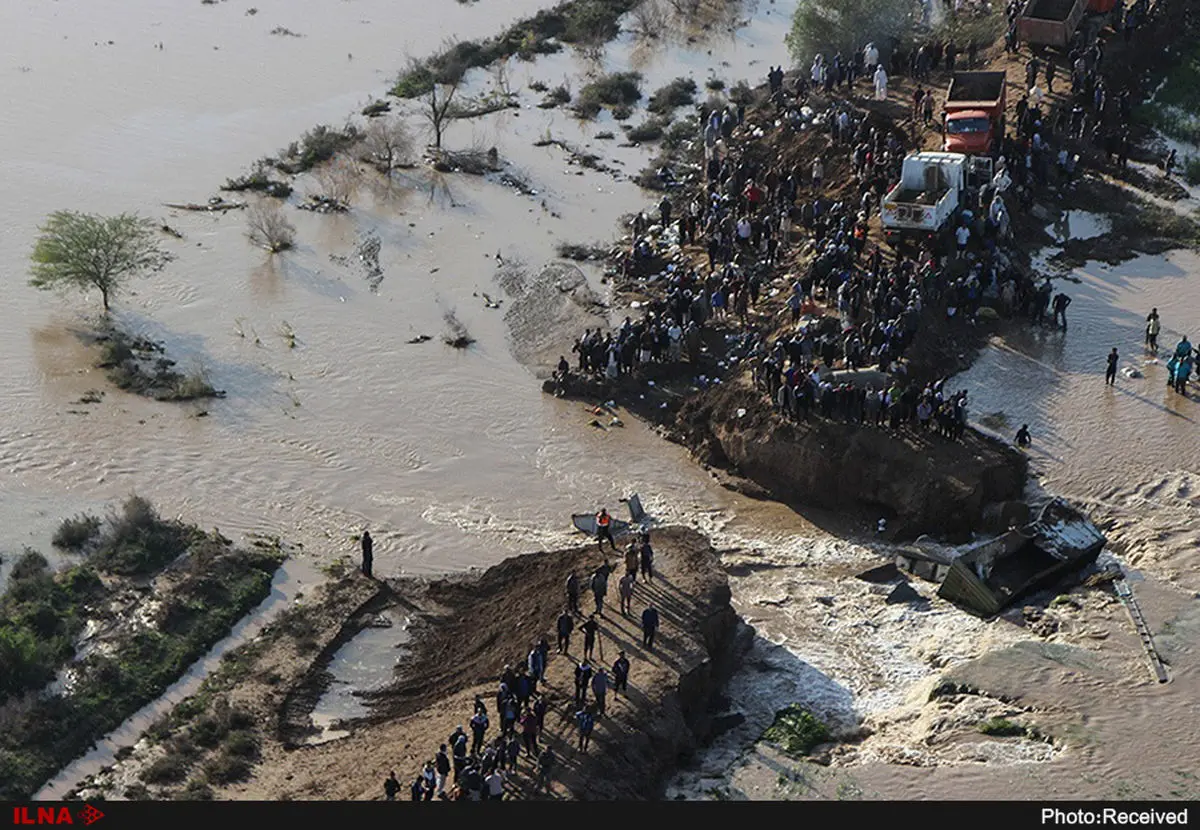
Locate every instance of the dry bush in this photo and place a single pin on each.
(387, 143)
(650, 19)
(269, 228)
(337, 181)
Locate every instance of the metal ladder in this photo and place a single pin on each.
(1125, 592)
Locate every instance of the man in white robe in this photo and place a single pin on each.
(881, 80)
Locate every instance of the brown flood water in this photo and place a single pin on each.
(453, 458)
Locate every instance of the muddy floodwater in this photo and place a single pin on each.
(332, 421)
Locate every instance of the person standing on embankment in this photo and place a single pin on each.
(368, 555)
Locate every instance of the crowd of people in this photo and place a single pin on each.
(735, 225)
(476, 763)
(714, 247)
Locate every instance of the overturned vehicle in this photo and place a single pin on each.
(986, 577)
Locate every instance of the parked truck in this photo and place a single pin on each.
(1050, 22)
(974, 113)
(933, 189)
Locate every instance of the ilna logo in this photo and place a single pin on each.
(56, 815)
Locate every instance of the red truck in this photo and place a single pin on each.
(974, 113)
(1050, 22)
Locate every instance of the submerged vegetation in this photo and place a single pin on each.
(147, 635)
(616, 90)
(796, 731)
(680, 92)
(136, 364)
(1002, 728)
(652, 129)
(318, 145)
(583, 22)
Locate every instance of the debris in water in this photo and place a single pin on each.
(216, 203)
(458, 337)
(420, 338)
(881, 574)
(903, 593)
(324, 204)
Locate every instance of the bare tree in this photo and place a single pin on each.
(387, 144)
(337, 181)
(439, 107)
(650, 19)
(269, 228)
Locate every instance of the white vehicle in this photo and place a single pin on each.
(931, 192)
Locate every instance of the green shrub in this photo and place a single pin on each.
(1002, 728)
(75, 533)
(679, 134)
(614, 90)
(319, 144)
(137, 792)
(595, 21)
(227, 769)
(678, 93)
(191, 387)
(169, 769)
(21, 661)
(30, 565)
(652, 129)
(846, 25)
(243, 744)
(196, 790)
(209, 731)
(1191, 170)
(40, 734)
(796, 731)
(138, 541)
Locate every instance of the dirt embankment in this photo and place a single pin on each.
(921, 482)
(465, 630)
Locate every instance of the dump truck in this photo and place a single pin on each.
(933, 188)
(1050, 22)
(973, 120)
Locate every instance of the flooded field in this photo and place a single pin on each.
(334, 422)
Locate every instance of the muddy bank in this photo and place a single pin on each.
(465, 630)
(920, 482)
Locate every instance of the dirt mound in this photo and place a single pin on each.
(921, 483)
(468, 628)
(549, 309)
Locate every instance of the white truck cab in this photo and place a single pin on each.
(930, 192)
